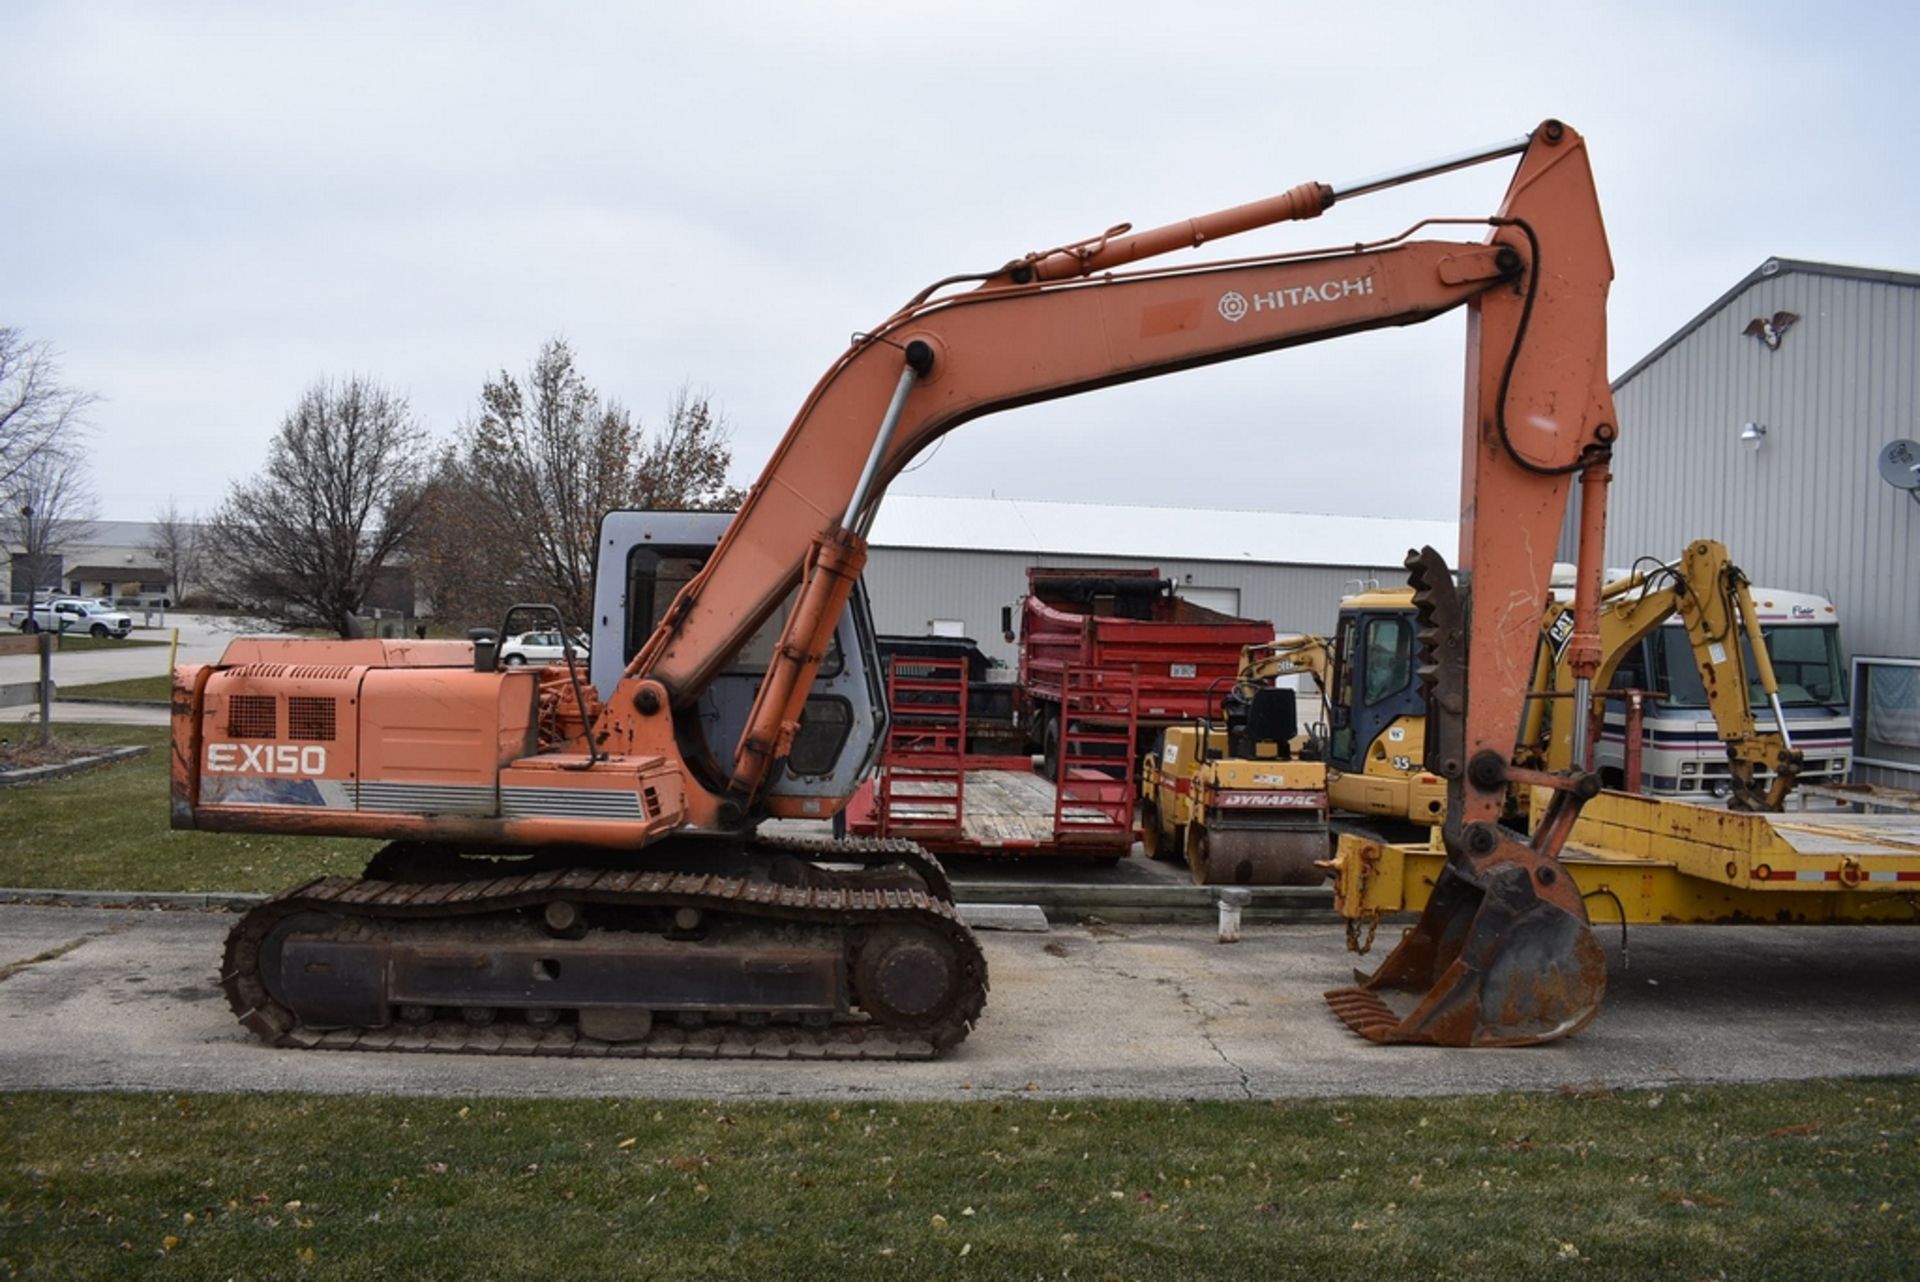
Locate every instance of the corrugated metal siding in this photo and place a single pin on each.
(1808, 510)
(910, 588)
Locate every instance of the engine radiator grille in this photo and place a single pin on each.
(253, 716)
(310, 717)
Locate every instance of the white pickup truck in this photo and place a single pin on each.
(72, 614)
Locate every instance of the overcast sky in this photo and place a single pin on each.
(210, 206)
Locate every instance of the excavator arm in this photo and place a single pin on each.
(1285, 657)
(1715, 603)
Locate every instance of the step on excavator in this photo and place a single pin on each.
(576, 867)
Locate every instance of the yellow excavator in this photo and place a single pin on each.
(1375, 746)
(1714, 600)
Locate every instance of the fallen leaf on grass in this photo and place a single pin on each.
(1796, 1128)
(629, 1142)
(1522, 1144)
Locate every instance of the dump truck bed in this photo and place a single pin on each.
(1130, 621)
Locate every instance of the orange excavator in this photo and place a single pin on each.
(575, 867)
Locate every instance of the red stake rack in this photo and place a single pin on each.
(923, 774)
(1099, 722)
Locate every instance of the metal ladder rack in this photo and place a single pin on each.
(923, 776)
(1099, 723)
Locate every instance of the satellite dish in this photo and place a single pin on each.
(1900, 464)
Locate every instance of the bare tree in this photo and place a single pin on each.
(48, 506)
(683, 466)
(305, 539)
(175, 544)
(468, 567)
(533, 474)
(37, 411)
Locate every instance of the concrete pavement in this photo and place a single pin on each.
(128, 1000)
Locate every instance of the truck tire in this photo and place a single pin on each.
(29, 627)
(1050, 746)
(98, 632)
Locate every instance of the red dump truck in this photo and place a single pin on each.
(1124, 621)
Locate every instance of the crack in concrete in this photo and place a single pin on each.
(1189, 1003)
(58, 951)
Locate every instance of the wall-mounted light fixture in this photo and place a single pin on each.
(1752, 435)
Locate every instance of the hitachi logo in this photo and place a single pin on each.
(1235, 306)
(265, 759)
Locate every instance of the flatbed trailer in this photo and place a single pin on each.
(1008, 813)
(1645, 860)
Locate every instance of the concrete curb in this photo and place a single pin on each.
(1133, 904)
(225, 900)
(40, 774)
(1153, 903)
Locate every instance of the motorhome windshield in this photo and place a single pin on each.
(1806, 663)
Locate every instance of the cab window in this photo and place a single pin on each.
(655, 577)
(1389, 661)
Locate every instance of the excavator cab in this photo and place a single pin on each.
(645, 558)
(1376, 714)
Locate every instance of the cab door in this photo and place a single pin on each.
(1373, 684)
(645, 558)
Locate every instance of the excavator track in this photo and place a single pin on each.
(608, 963)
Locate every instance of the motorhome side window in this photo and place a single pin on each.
(1632, 672)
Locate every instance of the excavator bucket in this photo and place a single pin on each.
(1490, 963)
(1259, 856)
(1503, 954)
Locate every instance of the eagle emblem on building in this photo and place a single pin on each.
(1770, 330)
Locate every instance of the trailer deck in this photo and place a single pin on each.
(1009, 811)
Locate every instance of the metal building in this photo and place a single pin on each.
(948, 566)
(1762, 423)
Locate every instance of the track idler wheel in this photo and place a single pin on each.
(907, 977)
(1502, 956)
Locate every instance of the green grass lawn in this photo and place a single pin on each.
(76, 642)
(107, 829)
(157, 689)
(1801, 1181)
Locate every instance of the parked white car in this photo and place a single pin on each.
(73, 614)
(539, 647)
